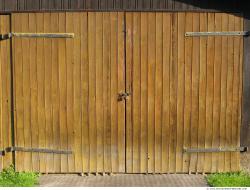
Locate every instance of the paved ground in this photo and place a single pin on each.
(125, 180)
(128, 180)
(245, 161)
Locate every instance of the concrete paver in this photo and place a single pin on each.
(245, 161)
(123, 180)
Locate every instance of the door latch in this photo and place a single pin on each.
(123, 96)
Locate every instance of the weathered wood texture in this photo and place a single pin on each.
(5, 93)
(245, 133)
(66, 92)
(186, 92)
(117, 5)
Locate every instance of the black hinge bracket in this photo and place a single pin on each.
(5, 36)
(2, 152)
(205, 150)
(39, 150)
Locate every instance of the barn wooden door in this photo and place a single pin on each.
(66, 92)
(70, 94)
(185, 92)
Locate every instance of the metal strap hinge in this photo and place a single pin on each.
(40, 150)
(201, 150)
(36, 35)
(230, 33)
(2, 152)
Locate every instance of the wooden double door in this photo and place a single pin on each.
(128, 93)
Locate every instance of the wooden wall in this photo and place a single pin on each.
(121, 5)
(5, 93)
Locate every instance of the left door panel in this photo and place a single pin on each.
(66, 92)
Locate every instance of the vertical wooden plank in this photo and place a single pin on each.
(121, 87)
(151, 91)
(229, 110)
(34, 90)
(106, 91)
(202, 93)
(70, 90)
(144, 93)
(210, 92)
(224, 62)
(55, 92)
(18, 64)
(129, 60)
(77, 93)
(166, 90)
(173, 93)
(241, 50)
(158, 93)
(136, 92)
(85, 91)
(114, 90)
(77, 96)
(48, 93)
(99, 91)
(1, 97)
(195, 92)
(3, 91)
(26, 92)
(236, 82)
(180, 91)
(41, 90)
(217, 91)
(92, 90)
(6, 93)
(188, 92)
(62, 92)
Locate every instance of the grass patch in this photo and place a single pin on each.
(237, 179)
(10, 178)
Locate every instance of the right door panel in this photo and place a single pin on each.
(186, 92)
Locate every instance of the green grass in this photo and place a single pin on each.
(10, 178)
(237, 179)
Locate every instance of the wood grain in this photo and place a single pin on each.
(184, 92)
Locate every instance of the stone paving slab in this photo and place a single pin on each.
(245, 161)
(123, 180)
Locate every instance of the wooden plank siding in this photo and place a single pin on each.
(5, 93)
(190, 89)
(69, 92)
(122, 5)
(185, 92)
